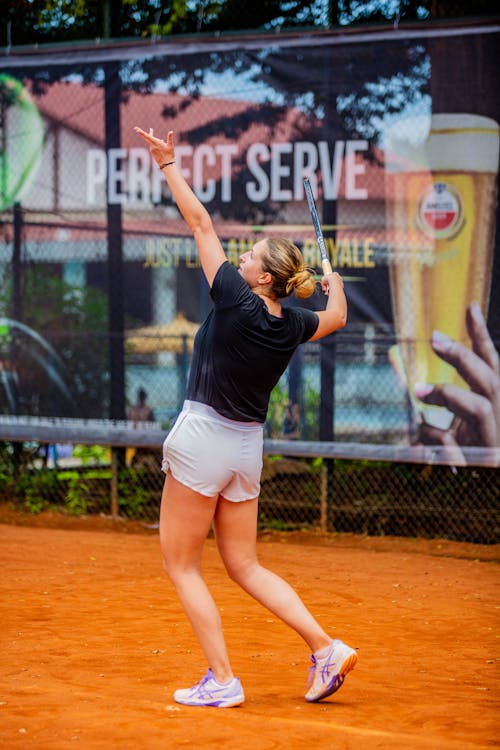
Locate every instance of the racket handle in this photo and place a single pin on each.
(327, 267)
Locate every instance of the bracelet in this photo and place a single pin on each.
(166, 164)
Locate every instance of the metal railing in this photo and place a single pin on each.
(114, 469)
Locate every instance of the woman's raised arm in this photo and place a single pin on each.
(193, 211)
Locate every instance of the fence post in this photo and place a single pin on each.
(323, 500)
(115, 468)
(17, 313)
(327, 416)
(114, 229)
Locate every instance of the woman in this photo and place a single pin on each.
(213, 454)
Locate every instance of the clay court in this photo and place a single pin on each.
(94, 644)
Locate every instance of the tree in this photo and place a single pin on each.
(49, 21)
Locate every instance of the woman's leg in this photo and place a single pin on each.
(185, 520)
(236, 534)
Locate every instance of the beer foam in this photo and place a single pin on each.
(444, 142)
(463, 142)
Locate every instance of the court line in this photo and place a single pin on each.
(429, 741)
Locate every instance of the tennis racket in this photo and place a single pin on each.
(325, 263)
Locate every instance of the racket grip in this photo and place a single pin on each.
(327, 267)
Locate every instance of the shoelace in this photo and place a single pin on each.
(204, 679)
(208, 692)
(199, 685)
(325, 670)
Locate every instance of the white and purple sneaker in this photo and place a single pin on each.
(209, 692)
(327, 673)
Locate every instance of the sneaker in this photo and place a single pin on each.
(327, 674)
(209, 692)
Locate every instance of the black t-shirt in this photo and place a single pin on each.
(241, 350)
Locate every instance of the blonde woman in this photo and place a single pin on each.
(212, 457)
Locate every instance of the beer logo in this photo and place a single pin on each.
(440, 211)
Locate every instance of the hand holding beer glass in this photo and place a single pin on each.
(441, 194)
(478, 409)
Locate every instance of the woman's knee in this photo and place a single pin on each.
(168, 566)
(171, 559)
(177, 565)
(240, 570)
(172, 564)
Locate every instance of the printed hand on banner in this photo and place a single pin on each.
(477, 411)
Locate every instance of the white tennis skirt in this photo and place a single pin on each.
(214, 455)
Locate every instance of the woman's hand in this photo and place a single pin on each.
(477, 411)
(161, 151)
(328, 281)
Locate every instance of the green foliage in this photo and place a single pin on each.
(16, 462)
(92, 454)
(273, 524)
(276, 411)
(40, 490)
(7, 468)
(77, 496)
(311, 411)
(48, 21)
(133, 497)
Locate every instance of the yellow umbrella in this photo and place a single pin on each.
(164, 338)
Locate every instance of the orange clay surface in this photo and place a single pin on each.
(94, 642)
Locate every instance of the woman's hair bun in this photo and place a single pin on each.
(302, 283)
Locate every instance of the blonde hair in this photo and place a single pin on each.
(284, 261)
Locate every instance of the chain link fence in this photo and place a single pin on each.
(101, 291)
(331, 495)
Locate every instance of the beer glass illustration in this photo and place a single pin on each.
(441, 193)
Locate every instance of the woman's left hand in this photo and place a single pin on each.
(161, 151)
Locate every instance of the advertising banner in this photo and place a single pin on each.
(398, 134)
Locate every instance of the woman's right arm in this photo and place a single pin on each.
(193, 211)
(335, 314)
